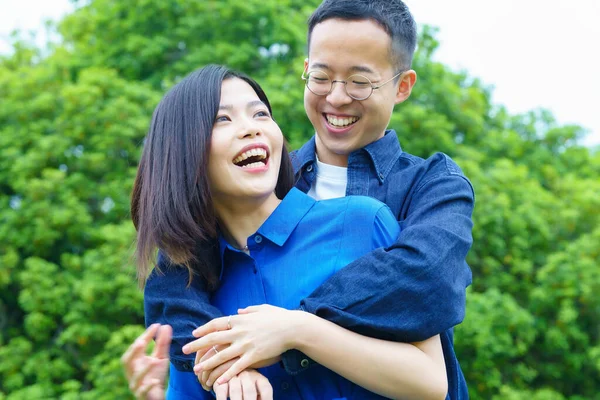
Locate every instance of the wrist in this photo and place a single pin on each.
(302, 330)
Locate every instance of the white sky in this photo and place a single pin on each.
(536, 53)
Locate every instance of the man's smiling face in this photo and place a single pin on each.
(342, 48)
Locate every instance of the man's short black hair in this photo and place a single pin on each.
(391, 15)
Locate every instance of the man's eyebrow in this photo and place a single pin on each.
(320, 65)
(361, 68)
(254, 103)
(356, 68)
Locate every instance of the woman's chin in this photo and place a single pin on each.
(251, 191)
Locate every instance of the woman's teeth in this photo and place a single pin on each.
(254, 165)
(258, 152)
(341, 121)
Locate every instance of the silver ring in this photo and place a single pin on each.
(229, 322)
(215, 349)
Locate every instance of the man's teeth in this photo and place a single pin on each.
(341, 121)
(254, 165)
(256, 152)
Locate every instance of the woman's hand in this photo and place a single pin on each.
(208, 378)
(257, 335)
(248, 385)
(147, 374)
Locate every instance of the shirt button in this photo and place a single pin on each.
(187, 367)
(258, 238)
(304, 363)
(285, 386)
(309, 168)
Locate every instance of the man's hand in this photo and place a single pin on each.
(147, 374)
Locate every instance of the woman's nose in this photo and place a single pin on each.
(249, 130)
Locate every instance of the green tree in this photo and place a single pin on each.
(72, 120)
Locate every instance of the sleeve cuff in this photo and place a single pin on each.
(183, 364)
(295, 362)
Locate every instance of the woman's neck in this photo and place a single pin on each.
(240, 219)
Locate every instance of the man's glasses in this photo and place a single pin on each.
(357, 86)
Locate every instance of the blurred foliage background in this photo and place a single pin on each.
(72, 119)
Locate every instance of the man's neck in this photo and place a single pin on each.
(329, 157)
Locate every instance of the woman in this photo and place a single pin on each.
(215, 166)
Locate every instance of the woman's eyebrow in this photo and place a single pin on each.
(254, 103)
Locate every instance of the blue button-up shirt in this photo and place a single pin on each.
(301, 245)
(420, 281)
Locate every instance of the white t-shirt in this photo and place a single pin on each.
(330, 182)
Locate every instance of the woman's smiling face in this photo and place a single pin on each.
(245, 147)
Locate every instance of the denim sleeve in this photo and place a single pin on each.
(169, 300)
(415, 288)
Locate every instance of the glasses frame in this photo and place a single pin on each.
(306, 75)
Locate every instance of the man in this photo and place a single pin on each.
(357, 70)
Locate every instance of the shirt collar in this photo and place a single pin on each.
(281, 223)
(307, 154)
(383, 153)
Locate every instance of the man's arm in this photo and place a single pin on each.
(169, 301)
(414, 289)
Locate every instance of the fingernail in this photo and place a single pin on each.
(184, 349)
(197, 368)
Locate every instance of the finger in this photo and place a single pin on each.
(139, 375)
(221, 391)
(207, 353)
(235, 369)
(265, 390)
(253, 309)
(221, 357)
(164, 335)
(217, 324)
(140, 344)
(201, 356)
(207, 341)
(142, 391)
(217, 372)
(203, 379)
(248, 310)
(248, 385)
(235, 389)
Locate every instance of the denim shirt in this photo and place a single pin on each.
(408, 292)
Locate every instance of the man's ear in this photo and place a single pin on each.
(306, 64)
(405, 86)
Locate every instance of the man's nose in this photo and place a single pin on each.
(338, 95)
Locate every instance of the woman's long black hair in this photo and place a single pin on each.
(171, 204)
